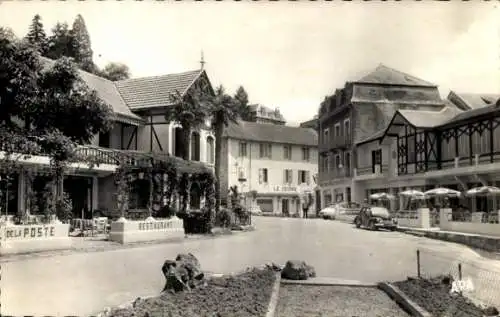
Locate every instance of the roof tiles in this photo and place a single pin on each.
(388, 76)
(264, 132)
(155, 91)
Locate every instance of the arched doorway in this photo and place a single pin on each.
(195, 196)
(195, 146)
(210, 150)
(178, 142)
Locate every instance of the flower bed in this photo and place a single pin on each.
(315, 300)
(434, 296)
(243, 295)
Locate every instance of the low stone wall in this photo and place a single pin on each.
(34, 238)
(419, 218)
(488, 229)
(130, 231)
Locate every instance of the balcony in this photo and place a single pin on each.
(477, 164)
(369, 172)
(335, 143)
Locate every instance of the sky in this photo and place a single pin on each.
(288, 55)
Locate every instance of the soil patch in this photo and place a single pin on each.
(334, 301)
(434, 296)
(245, 295)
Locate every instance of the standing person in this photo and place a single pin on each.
(307, 203)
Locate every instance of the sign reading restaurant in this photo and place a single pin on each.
(156, 225)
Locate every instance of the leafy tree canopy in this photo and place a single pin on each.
(115, 72)
(46, 104)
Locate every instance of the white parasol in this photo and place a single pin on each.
(382, 196)
(483, 191)
(414, 194)
(442, 192)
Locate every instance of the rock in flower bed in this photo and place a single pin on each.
(243, 295)
(434, 295)
(297, 270)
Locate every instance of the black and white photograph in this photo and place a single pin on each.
(250, 158)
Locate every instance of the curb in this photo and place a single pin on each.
(328, 282)
(404, 301)
(273, 301)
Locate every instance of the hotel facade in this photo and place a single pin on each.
(390, 132)
(271, 164)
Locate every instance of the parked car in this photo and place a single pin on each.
(340, 209)
(328, 212)
(374, 218)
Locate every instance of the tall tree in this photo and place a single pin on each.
(60, 43)
(115, 71)
(48, 105)
(241, 97)
(36, 34)
(190, 112)
(223, 110)
(82, 46)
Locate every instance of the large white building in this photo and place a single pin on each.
(271, 161)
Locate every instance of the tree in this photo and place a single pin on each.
(60, 43)
(36, 34)
(241, 97)
(115, 72)
(7, 33)
(189, 111)
(223, 110)
(46, 109)
(82, 47)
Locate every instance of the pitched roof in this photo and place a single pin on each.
(377, 135)
(265, 132)
(155, 90)
(384, 75)
(474, 101)
(429, 119)
(106, 90)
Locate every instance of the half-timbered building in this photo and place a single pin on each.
(139, 126)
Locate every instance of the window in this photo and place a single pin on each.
(337, 129)
(262, 175)
(303, 177)
(347, 127)
(337, 161)
(104, 139)
(376, 158)
(287, 152)
(242, 149)
(306, 154)
(265, 150)
(287, 176)
(326, 135)
(348, 161)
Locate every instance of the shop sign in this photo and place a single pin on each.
(157, 225)
(279, 188)
(31, 232)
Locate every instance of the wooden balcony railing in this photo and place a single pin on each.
(95, 154)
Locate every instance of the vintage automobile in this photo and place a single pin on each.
(328, 212)
(374, 218)
(340, 209)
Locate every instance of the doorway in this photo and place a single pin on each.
(285, 206)
(79, 189)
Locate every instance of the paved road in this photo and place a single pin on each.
(84, 283)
